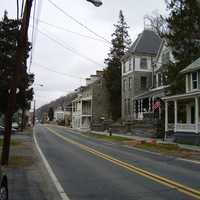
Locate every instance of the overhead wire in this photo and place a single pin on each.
(57, 72)
(77, 21)
(67, 30)
(68, 48)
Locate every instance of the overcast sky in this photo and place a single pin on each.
(73, 68)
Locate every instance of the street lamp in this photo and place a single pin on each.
(97, 3)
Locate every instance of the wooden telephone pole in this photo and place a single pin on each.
(22, 44)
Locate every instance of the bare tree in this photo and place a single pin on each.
(156, 22)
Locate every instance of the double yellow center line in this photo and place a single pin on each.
(172, 184)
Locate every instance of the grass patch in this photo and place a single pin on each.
(113, 138)
(13, 142)
(20, 161)
(162, 148)
(166, 149)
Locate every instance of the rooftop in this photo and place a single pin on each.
(192, 67)
(148, 42)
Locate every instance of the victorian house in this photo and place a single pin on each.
(137, 75)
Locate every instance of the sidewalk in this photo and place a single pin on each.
(27, 176)
(167, 141)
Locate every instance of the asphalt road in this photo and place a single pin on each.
(88, 168)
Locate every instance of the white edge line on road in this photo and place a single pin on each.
(50, 171)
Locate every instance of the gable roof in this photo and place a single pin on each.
(192, 67)
(148, 42)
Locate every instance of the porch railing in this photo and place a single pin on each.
(170, 127)
(185, 127)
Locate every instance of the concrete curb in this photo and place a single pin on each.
(57, 184)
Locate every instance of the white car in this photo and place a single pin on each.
(15, 125)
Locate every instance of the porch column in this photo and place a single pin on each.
(187, 83)
(149, 104)
(196, 114)
(166, 116)
(153, 104)
(134, 109)
(175, 115)
(138, 114)
(141, 108)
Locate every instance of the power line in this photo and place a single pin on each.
(68, 48)
(67, 30)
(78, 22)
(57, 72)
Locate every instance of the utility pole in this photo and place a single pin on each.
(34, 112)
(22, 44)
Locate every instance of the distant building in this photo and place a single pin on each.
(137, 76)
(92, 104)
(59, 114)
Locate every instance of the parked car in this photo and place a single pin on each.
(2, 131)
(15, 125)
(3, 186)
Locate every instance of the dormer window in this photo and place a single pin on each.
(194, 80)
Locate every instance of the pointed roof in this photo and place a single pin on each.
(192, 67)
(148, 42)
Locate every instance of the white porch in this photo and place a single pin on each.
(182, 113)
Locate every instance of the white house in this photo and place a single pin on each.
(185, 121)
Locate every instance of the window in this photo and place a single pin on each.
(124, 67)
(129, 82)
(125, 108)
(159, 79)
(133, 62)
(143, 82)
(128, 106)
(194, 80)
(143, 63)
(154, 81)
(124, 85)
(129, 64)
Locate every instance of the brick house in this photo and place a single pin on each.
(137, 76)
(92, 103)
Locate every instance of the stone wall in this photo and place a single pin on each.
(100, 102)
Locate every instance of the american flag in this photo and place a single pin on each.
(156, 105)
